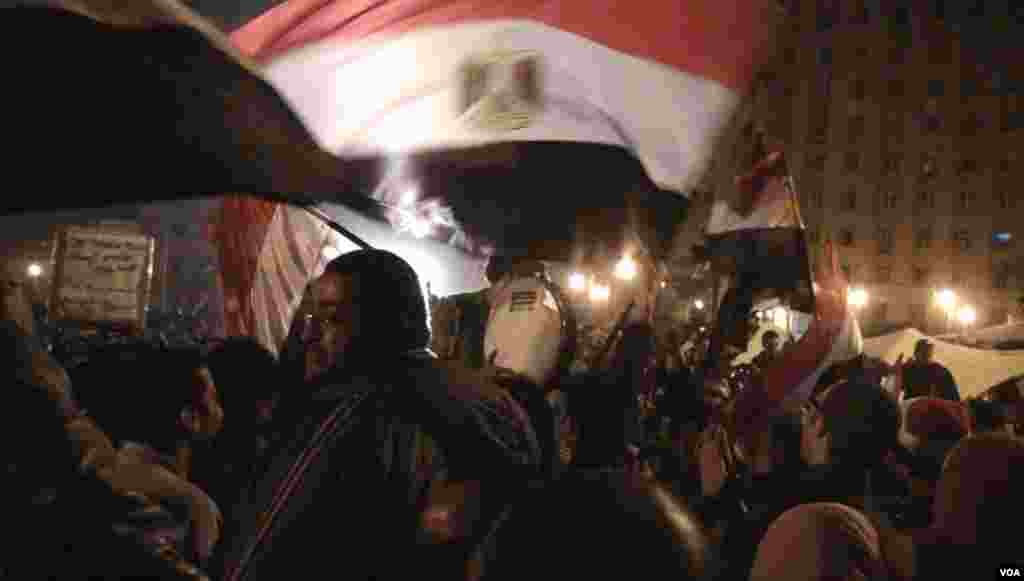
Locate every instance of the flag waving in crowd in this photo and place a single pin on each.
(401, 77)
(761, 248)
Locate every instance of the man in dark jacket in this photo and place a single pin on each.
(925, 377)
(349, 493)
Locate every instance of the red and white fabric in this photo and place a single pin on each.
(392, 77)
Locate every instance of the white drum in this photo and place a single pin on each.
(528, 328)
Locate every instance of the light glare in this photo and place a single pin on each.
(967, 315)
(599, 293)
(626, 268)
(577, 281)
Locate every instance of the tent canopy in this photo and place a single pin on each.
(975, 370)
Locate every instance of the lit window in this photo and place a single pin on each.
(1002, 239)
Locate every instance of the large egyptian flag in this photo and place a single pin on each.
(758, 243)
(760, 237)
(536, 126)
(757, 249)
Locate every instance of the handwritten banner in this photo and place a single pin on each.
(103, 275)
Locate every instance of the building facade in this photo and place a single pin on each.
(907, 148)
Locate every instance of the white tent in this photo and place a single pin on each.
(998, 334)
(975, 370)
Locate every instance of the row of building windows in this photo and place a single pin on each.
(828, 13)
(930, 122)
(892, 165)
(925, 200)
(923, 239)
(921, 275)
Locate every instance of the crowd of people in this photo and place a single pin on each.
(363, 453)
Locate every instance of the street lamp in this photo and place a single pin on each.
(857, 298)
(599, 293)
(946, 299)
(35, 270)
(577, 281)
(698, 304)
(967, 316)
(626, 268)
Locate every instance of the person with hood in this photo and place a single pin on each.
(976, 506)
(820, 542)
(349, 492)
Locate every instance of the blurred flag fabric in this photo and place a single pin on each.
(833, 337)
(396, 78)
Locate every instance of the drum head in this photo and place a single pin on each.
(525, 331)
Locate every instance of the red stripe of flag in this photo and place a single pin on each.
(713, 39)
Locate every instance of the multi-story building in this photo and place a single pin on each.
(907, 148)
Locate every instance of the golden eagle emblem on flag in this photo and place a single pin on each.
(499, 91)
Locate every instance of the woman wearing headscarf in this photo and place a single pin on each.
(821, 541)
(931, 428)
(976, 509)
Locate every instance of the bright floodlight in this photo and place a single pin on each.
(409, 197)
(967, 315)
(946, 299)
(577, 281)
(34, 270)
(419, 228)
(664, 284)
(626, 268)
(858, 297)
(599, 293)
(699, 304)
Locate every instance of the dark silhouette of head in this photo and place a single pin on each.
(247, 375)
(390, 311)
(602, 524)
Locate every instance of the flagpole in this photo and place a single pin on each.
(802, 232)
(338, 227)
